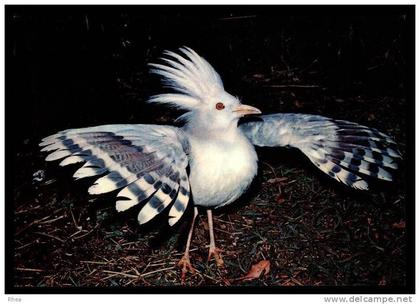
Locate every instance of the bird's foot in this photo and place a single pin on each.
(216, 253)
(186, 266)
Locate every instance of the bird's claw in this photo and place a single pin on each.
(216, 253)
(186, 267)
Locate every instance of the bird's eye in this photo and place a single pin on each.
(220, 106)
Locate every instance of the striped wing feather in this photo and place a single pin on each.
(346, 151)
(147, 162)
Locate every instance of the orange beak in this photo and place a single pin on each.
(243, 110)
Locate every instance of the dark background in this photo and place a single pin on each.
(72, 66)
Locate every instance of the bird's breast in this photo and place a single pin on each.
(221, 171)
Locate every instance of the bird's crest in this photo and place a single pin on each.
(190, 75)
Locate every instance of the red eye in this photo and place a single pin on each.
(220, 106)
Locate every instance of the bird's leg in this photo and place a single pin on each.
(185, 260)
(213, 250)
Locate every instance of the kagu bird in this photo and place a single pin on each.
(211, 160)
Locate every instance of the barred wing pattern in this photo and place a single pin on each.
(147, 161)
(344, 150)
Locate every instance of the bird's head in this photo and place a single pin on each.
(198, 90)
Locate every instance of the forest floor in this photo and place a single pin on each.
(312, 231)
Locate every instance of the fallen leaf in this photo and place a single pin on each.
(400, 225)
(280, 199)
(262, 267)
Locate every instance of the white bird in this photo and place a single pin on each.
(211, 160)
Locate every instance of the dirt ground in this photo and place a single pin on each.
(312, 230)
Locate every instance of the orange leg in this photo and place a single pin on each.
(213, 250)
(185, 263)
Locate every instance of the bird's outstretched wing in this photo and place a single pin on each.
(344, 150)
(148, 162)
